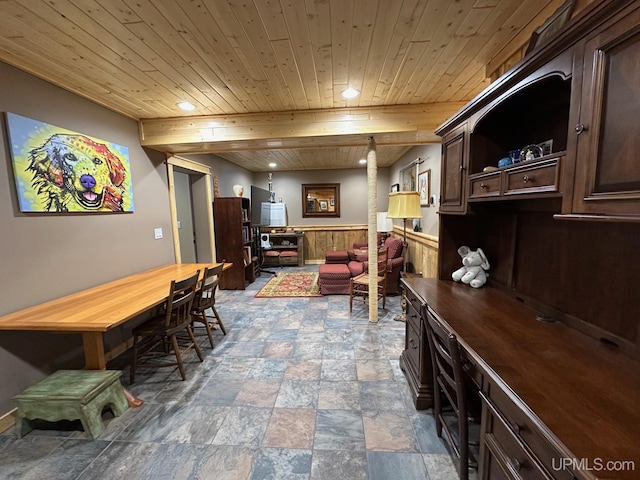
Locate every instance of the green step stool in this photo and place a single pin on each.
(72, 395)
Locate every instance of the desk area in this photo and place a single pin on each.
(96, 310)
(558, 393)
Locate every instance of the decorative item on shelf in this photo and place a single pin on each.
(490, 168)
(474, 264)
(514, 155)
(238, 190)
(505, 162)
(530, 152)
(272, 194)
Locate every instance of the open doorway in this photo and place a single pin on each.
(183, 173)
(184, 213)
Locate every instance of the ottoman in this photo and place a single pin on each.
(72, 395)
(334, 279)
(336, 256)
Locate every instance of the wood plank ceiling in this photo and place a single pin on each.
(266, 76)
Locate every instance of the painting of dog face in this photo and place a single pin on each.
(58, 170)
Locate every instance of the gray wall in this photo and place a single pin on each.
(44, 256)
(431, 155)
(288, 186)
(353, 193)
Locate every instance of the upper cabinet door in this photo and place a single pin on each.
(454, 174)
(607, 179)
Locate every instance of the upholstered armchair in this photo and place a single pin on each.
(358, 262)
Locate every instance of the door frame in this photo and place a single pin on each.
(202, 199)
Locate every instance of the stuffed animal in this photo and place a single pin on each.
(473, 270)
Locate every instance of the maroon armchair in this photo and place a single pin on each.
(358, 263)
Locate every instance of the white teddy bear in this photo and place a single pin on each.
(473, 270)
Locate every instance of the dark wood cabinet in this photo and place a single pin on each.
(556, 403)
(559, 318)
(607, 178)
(233, 232)
(581, 94)
(415, 360)
(452, 190)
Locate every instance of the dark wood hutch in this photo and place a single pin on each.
(554, 336)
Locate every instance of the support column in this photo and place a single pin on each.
(372, 222)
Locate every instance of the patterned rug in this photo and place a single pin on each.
(301, 284)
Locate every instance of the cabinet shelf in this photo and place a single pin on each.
(294, 242)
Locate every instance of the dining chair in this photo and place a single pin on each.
(359, 285)
(452, 383)
(206, 299)
(164, 334)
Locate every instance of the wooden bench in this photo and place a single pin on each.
(71, 395)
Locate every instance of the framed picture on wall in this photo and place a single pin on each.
(424, 187)
(409, 178)
(60, 171)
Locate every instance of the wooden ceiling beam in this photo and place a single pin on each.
(390, 125)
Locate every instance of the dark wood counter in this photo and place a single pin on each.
(581, 394)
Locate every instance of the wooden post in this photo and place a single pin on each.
(372, 222)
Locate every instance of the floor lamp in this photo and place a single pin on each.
(404, 205)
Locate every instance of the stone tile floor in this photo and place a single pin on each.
(297, 389)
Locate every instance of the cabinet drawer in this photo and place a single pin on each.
(509, 451)
(541, 177)
(412, 299)
(485, 186)
(413, 345)
(524, 428)
(288, 260)
(413, 316)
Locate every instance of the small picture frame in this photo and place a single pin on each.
(424, 187)
(552, 25)
(395, 187)
(324, 205)
(547, 147)
(331, 202)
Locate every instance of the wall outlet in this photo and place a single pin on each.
(157, 233)
(179, 224)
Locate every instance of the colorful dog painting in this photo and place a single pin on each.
(62, 171)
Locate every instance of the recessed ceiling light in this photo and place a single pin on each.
(186, 106)
(363, 161)
(273, 164)
(350, 93)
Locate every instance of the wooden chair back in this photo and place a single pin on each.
(449, 380)
(206, 295)
(179, 303)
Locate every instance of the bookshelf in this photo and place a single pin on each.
(234, 238)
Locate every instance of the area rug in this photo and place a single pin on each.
(300, 284)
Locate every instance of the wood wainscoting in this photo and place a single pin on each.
(422, 254)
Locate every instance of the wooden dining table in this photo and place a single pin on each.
(96, 310)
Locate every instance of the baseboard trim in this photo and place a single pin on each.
(7, 420)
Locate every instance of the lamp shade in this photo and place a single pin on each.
(384, 224)
(404, 205)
